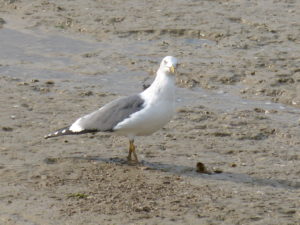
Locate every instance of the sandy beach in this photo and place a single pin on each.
(238, 112)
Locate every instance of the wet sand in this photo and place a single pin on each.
(238, 112)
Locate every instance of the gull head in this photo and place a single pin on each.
(168, 65)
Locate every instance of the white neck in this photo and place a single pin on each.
(163, 87)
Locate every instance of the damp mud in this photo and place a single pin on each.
(229, 156)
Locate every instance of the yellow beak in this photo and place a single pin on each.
(172, 69)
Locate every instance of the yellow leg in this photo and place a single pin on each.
(132, 151)
(129, 153)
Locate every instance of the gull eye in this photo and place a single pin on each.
(165, 62)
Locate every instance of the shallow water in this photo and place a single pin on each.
(35, 55)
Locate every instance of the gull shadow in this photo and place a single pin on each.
(191, 172)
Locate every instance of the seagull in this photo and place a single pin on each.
(137, 115)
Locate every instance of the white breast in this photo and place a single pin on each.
(158, 109)
(146, 121)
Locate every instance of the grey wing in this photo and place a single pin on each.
(107, 117)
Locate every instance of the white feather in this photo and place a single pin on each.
(75, 127)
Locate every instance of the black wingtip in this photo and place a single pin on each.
(67, 131)
(60, 132)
